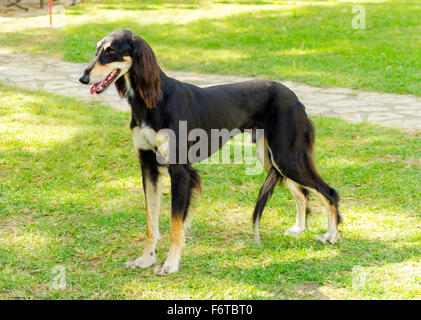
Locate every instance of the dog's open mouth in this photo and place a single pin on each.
(104, 84)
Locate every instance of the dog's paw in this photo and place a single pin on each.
(295, 231)
(328, 237)
(166, 268)
(142, 262)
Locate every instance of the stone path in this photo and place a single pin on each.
(46, 73)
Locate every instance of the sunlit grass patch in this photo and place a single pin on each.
(391, 281)
(71, 196)
(309, 41)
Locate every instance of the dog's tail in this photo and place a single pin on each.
(194, 187)
(265, 193)
(329, 192)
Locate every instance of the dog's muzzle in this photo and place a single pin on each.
(84, 78)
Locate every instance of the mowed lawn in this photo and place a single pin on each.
(71, 197)
(307, 41)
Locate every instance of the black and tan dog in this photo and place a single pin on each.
(160, 102)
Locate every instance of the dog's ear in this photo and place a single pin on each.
(146, 71)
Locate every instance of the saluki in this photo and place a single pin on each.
(160, 102)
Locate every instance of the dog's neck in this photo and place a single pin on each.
(130, 85)
(140, 113)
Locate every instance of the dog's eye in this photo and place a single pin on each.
(110, 51)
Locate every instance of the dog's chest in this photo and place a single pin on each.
(144, 137)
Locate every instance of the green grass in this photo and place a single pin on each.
(70, 195)
(307, 41)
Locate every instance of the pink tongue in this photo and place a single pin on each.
(95, 87)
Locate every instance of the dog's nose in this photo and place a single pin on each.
(84, 78)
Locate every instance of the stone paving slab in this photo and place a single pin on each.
(54, 75)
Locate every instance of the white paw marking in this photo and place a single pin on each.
(142, 262)
(331, 238)
(295, 231)
(166, 268)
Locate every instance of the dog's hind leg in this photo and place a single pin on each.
(265, 193)
(263, 154)
(301, 201)
(184, 179)
(333, 218)
(151, 176)
(305, 175)
(299, 193)
(292, 158)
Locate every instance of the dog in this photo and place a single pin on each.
(159, 102)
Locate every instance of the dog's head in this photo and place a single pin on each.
(121, 53)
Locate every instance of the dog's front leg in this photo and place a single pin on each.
(181, 188)
(152, 188)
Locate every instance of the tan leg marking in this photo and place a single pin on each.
(332, 235)
(301, 203)
(176, 246)
(262, 151)
(153, 204)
